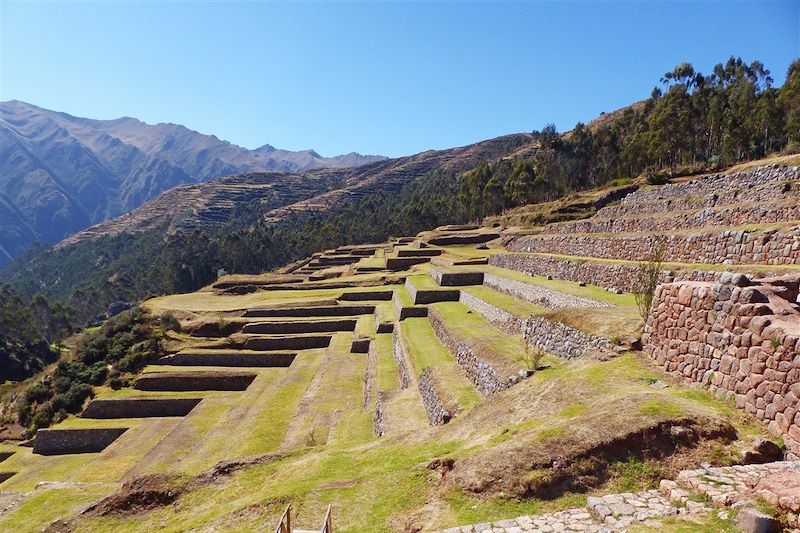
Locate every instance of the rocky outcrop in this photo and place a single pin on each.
(740, 338)
(564, 341)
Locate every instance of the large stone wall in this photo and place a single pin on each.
(770, 247)
(300, 326)
(486, 378)
(431, 399)
(275, 359)
(609, 275)
(139, 407)
(63, 441)
(757, 185)
(538, 295)
(564, 341)
(193, 381)
(732, 216)
(307, 311)
(299, 342)
(429, 296)
(741, 341)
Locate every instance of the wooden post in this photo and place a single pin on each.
(285, 525)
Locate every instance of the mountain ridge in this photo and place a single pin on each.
(63, 173)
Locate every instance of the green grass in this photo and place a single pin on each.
(423, 282)
(519, 308)
(660, 408)
(472, 327)
(48, 505)
(592, 292)
(386, 374)
(426, 350)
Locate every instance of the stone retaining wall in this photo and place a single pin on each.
(360, 345)
(538, 295)
(64, 441)
(265, 360)
(455, 279)
(731, 216)
(419, 253)
(757, 185)
(139, 407)
(464, 238)
(404, 312)
(401, 357)
(379, 418)
(402, 263)
(769, 247)
(741, 341)
(429, 296)
(300, 326)
(609, 275)
(431, 400)
(359, 296)
(564, 341)
(499, 318)
(323, 310)
(476, 368)
(300, 342)
(193, 381)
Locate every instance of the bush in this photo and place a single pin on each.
(656, 178)
(647, 279)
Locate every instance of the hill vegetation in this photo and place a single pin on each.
(692, 122)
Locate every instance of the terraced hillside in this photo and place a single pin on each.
(467, 375)
(280, 195)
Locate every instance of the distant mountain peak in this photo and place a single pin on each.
(60, 173)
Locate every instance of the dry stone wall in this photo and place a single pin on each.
(193, 381)
(431, 400)
(564, 341)
(63, 441)
(485, 377)
(379, 418)
(275, 359)
(736, 215)
(401, 356)
(499, 318)
(741, 341)
(611, 276)
(770, 247)
(538, 295)
(758, 185)
(139, 407)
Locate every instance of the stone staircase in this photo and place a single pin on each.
(733, 487)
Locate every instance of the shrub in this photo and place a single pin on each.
(647, 279)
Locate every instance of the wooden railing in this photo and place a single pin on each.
(285, 525)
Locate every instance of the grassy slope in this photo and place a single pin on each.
(426, 350)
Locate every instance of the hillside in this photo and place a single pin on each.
(465, 375)
(280, 196)
(60, 173)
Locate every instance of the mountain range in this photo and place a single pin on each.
(60, 174)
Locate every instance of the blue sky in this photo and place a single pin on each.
(389, 79)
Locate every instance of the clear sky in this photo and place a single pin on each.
(388, 79)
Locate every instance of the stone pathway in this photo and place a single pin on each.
(778, 483)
